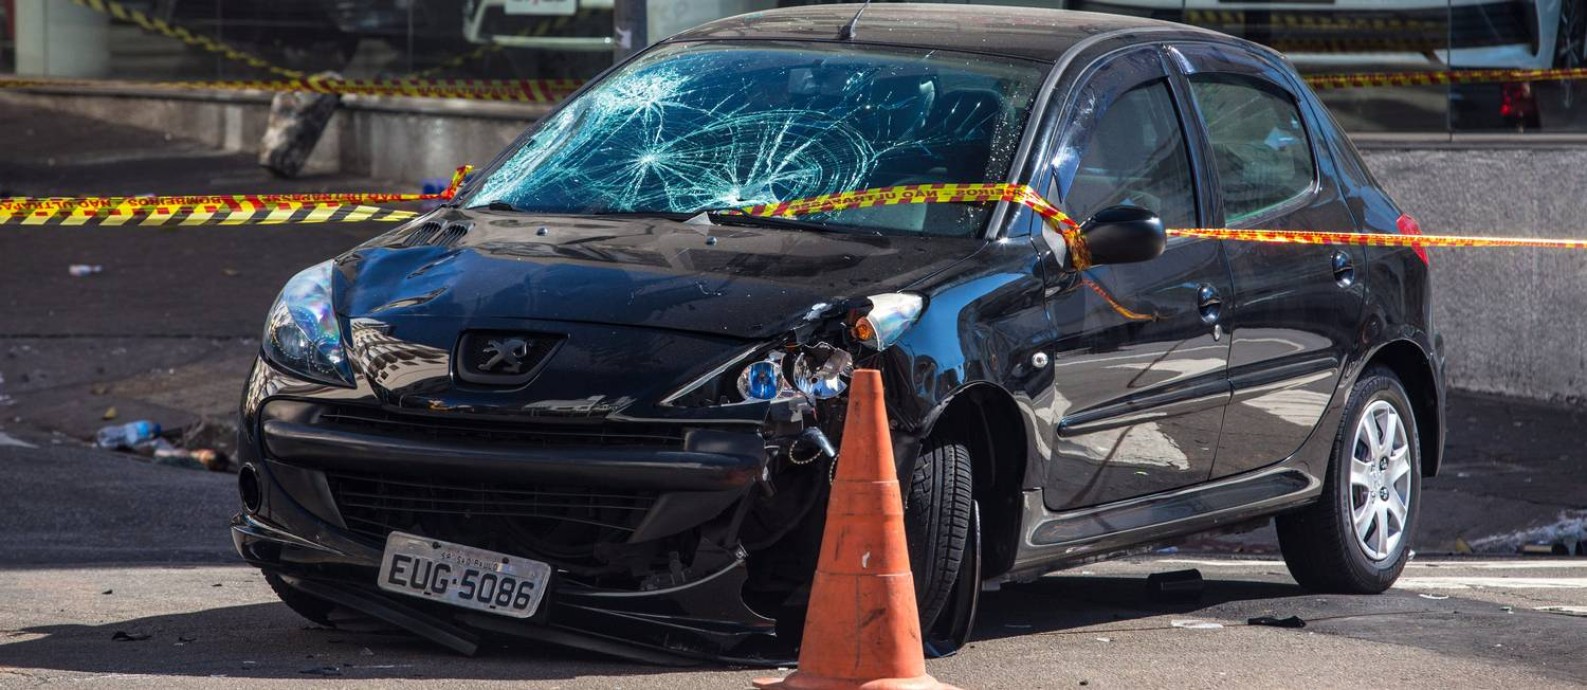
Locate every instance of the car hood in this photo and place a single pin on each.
(736, 281)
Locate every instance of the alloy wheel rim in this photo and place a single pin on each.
(1380, 481)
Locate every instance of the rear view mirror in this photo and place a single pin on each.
(1124, 235)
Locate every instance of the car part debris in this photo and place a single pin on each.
(84, 270)
(1193, 624)
(124, 636)
(297, 119)
(322, 671)
(1545, 548)
(1272, 622)
(1175, 586)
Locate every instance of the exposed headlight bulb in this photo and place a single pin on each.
(761, 380)
(822, 379)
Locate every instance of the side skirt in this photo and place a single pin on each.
(1052, 540)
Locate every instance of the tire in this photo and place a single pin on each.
(1321, 545)
(315, 609)
(1570, 44)
(937, 517)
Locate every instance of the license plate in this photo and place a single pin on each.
(463, 575)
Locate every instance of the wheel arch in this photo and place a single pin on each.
(988, 420)
(1414, 368)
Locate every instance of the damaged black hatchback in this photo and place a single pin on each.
(592, 403)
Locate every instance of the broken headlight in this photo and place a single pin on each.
(789, 373)
(302, 334)
(823, 371)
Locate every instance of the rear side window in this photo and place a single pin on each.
(1258, 143)
(1136, 156)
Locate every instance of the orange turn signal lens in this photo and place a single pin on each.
(863, 331)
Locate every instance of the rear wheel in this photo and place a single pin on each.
(1356, 538)
(938, 518)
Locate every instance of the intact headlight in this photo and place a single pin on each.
(891, 314)
(302, 334)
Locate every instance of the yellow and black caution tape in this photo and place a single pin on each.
(515, 90)
(1443, 77)
(167, 29)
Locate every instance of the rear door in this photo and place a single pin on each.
(1139, 389)
(1295, 308)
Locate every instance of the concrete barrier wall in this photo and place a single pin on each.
(1514, 320)
(401, 140)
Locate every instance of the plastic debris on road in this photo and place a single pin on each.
(126, 436)
(143, 438)
(1193, 624)
(1274, 622)
(84, 270)
(1175, 586)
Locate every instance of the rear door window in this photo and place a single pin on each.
(1259, 143)
(1136, 156)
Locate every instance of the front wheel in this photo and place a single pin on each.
(1356, 538)
(938, 517)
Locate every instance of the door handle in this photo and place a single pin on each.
(1344, 269)
(1209, 304)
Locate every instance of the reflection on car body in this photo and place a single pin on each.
(666, 446)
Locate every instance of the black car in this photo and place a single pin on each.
(588, 402)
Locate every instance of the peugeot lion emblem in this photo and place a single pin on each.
(508, 353)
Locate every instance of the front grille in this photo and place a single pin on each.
(451, 427)
(571, 527)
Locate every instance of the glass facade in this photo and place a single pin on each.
(553, 39)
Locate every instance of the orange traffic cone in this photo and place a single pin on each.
(862, 630)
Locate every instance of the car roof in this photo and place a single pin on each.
(1024, 32)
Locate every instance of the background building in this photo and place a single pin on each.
(248, 39)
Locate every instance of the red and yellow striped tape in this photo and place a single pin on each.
(215, 209)
(1066, 226)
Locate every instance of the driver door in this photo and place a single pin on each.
(1140, 385)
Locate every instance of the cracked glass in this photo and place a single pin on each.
(695, 127)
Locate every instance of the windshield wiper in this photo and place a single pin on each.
(723, 218)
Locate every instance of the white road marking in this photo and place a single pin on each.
(11, 441)
(1492, 582)
(1539, 564)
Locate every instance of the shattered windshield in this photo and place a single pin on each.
(708, 126)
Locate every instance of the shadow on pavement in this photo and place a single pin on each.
(268, 641)
(1059, 604)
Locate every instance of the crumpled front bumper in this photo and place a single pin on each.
(295, 529)
(704, 620)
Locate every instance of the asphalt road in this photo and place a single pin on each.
(93, 544)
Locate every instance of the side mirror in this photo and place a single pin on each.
(1124, 235)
